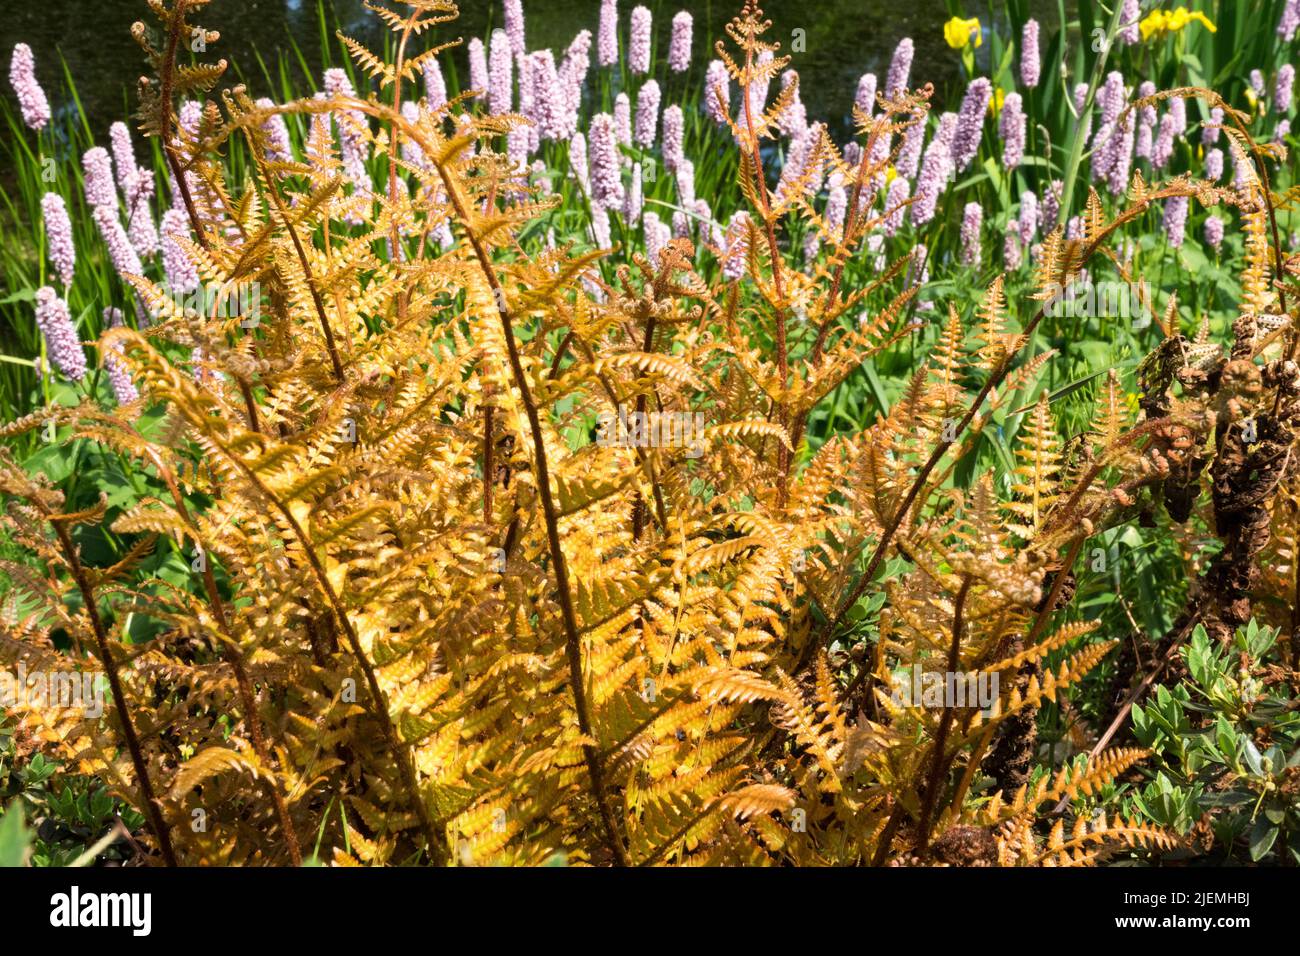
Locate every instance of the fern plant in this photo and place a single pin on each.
(437, 616)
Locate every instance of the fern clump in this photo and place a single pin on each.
(500, 553)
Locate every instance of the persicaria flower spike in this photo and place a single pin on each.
(119, 379)
(674, 135)
(1120, 162)
(578, 160)
(865, 100)
(1130, 18)
(970, 122)
(1163, 151)
(514, 21)
(679, 47)
(794, 118)
(1030, 62)
(657, 235)
(1145, 89)
(98, 169)
(606, 181)
(623, 119)
(1283, 88)
(119, 138)
(685, 179)
(895, 205)
(279, 148)
(1175, 220)
(717, 92)
(478, 71)
(1049, 210)
(352, 129)
(435, 87)
(1028, 216)
(1011, 126)
(900, 67)
(1214, 232)
(140, 227)
(972, 220)
(1211, 129)
(607, 34)
(1178, 110)
(1290, 20)
(1214, 165)
(936, 170)
(31, 98)
(1111, 97)
(500, 73)
(120, 251)
(548, 100)
(737, 247)
(62, 344)
(647, 114)
(573, 73)
(638, 50)
(1011, 255)
(909, 153)
(58, 236)
(181, 273)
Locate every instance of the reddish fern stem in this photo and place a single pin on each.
(401, 752)
(573, 647)
(939, 760)
(784, 456)
(152, 807)
(236, 658)
(994, 380)
(165, 119)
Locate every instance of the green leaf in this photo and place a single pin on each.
(15, 838)
(1226, 738)
(1253, 758)
(1262, 838)
(22, 295)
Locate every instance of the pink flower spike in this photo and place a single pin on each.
(514, 21)
(98, 169)
(1030, 62)
(717, 92)
(647, 114)
(62, 344)
(606, 177)
(119, 378)
(674, 135)
(58, 236)
(478, 71)
(900, 67)
(31, 98)
(500, 73)
(679, 47)
(607, 33)
(971, 221)
(638, 50)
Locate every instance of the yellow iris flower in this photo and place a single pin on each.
(1159, 22)
(959, 32)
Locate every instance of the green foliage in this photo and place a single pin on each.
(15, 838)
(1226, 745)
(56, 817)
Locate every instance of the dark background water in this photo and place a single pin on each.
(845, 38)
